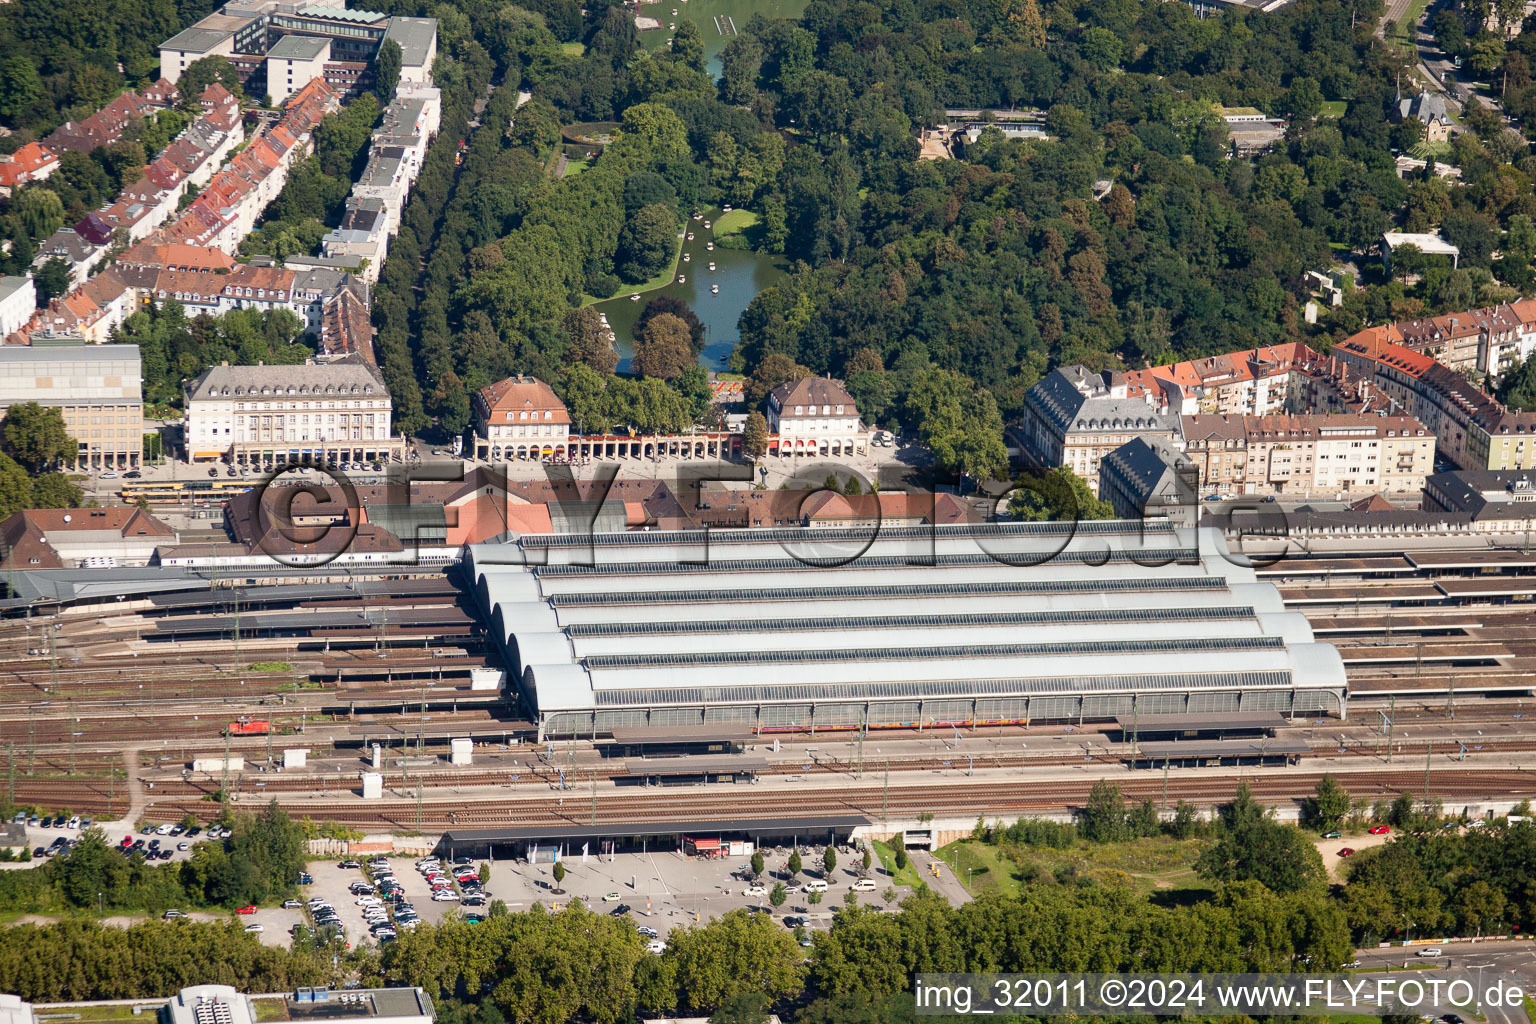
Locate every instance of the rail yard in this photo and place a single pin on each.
(106, 701)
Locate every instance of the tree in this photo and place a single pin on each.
(864, 859)
(51, 280)
(20, 87)
(678, 308)
(1402, 814)
(484, 873)
(754, 442)
(1055, 495)
(40, 211)
(36, 437)
(587, 341)
(1304, 99)
(387, 70)
(757, 863)
(647, 243)
(775, 369)
(55, 490)
(1143, 820)
(813, 898)
(794, 864)
(777, 895)
(559, 874)
(744, 1007)
(664, 350)
(15, 487)
(1103, 819)
(828, 862)
(736, 953)
(1329, 805)
(202, 73)
(901, 857)
(959, 422)
(1517, 388)
(1251, 846)
(688, 45)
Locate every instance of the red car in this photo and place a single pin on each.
(249, 908)
(1346, 852)
(1380, 830)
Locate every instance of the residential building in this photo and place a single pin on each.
(18, 301)
(97, 389)
(814, 416)
(1473, 429)
(32, 162)
(519, 418)
(338, 411)
(79, 253)
(346, 325)
(1074, 417)
(1429, 108)
(1309, 455)
(1150, 479)
(58, 538)
(1491, 498)
(108, 124)
(1249, 382)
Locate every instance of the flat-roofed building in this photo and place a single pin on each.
(96, 388)
(293, 62)
(417, 38)
(930, 625)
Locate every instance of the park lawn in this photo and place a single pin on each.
(907, 876)
(735, 222)
(1334, 108)
(661, 280)
(573, 49)
(1148, 864)
(574, 167)
(1425, 150)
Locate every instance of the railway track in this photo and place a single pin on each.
(981, 797)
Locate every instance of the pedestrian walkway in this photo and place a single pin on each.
(940, 878)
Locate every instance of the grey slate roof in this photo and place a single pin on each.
(349, 375)
(1073, 398)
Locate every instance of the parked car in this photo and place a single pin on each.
(291, 904)
(1335, 834)
(1380, 830)
(255, 928)
(249, 908)
(656, 946)
(1346, 852)
(612, 897)
(349, 865)
(1431, 951)
(755, 890)
(171, 915)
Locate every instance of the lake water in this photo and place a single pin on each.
(718, 20)
(740, 275)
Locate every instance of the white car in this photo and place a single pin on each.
(656, 946)
(1431, 951)
(754, 890)
(445, 896)
(367, 901)
(163, 830)
(254, 928)
(790, 890)
(73, 822)
(645, 929)
(864, 885)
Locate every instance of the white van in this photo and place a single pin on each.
(864, 885)
(814, 885)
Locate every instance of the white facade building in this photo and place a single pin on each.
(18, 301)
(814, 416)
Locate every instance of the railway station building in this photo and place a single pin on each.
(734, 837)
(906, 627)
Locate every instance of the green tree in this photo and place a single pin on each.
(828, 862)
(664, 350)
(20, 87)
(1055, 495)
(15, 487)
(736, 953)
(794, 863)
(647, 243)
(51, 281)
(864, 858)
(55, 490)
(900, 859)
(36, 437)
(484, 873)
(777, 895)
(757, 863)
(587, 341)
(202, 73)
(1103, 819)
(959, 422)
(387, 69)
(40, 211)
(688, 45)
(559, 874)
(1251, 846)
(744, 1007)
(1517, 388)
(1329, 805)
(754, 441)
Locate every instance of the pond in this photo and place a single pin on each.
(718, 21)
(739, 276)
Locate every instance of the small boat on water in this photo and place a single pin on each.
(711, 266)
(706, 225)
(681, 279)
(710, 246)
(726, 208)
(672, 26)
(635, 297)
(698, 216)
(687, 258)
(690, 236)
(714, 289)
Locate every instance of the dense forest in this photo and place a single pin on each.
(941, 290)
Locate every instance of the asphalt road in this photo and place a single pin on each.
(1483, 961)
